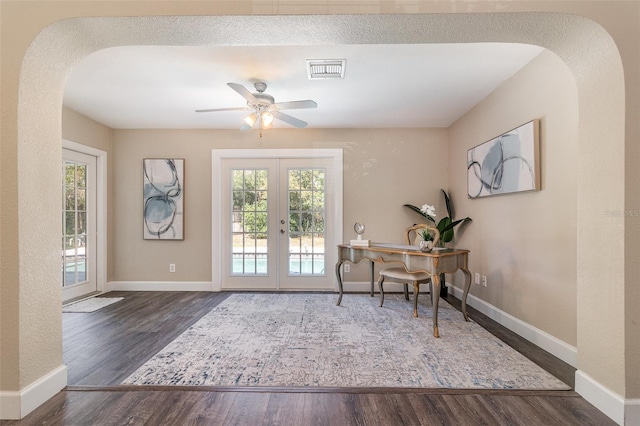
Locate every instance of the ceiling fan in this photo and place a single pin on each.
(264, 108)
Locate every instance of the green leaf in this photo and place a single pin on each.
(446, 230)
(420, 212)
(415, 209)
(447, 202)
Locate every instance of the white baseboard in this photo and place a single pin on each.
(16, 405)
(357, 287)
(620, 410)
(159, 286)
(549, 343)
(632, 412)
(365, 287)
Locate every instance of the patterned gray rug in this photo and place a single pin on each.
(306, 340)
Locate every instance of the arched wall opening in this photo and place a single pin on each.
(599, 79)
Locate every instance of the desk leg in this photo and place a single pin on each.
(372, 269)
(467, 286)
(340, 262)
(435, 280)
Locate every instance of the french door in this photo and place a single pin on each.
(277, 223)
(78, 243)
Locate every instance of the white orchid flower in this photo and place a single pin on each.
(429, 210)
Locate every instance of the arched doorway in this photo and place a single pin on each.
(40, 99)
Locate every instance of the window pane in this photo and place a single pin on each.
(249, 263)
(70, 223)
(81, 270)
(70, 198)
(70, 174)
(236, 264)
(81, 196)
(81, 176)
(261, 180)
(294, 179)
(294, 222)
(82, 223)
(238, 200)
(70, 273)
(294, 201)
(318, 223)
(261, 222)
(294, 264)
(237, 179)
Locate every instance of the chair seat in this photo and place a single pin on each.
(400, 273)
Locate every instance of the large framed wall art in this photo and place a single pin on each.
(163, 192)
(506, 164)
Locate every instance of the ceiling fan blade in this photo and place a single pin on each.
(295, 104)
(243, 92)
(224, 109)
(289, 119)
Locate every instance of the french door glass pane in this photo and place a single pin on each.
(306, 196)
(249, 219)
(74, 226)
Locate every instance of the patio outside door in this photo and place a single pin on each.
(276, 223)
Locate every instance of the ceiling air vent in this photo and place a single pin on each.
(325, 68)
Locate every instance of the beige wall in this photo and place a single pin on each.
(40, 47)
(525, 243)
(383, 169)
(81, 129)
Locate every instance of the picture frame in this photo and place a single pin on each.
(163, 198)
(505, 164)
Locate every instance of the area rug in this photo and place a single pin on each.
(301, 340)
(90, 305)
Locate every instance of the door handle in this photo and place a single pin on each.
(282, 221)
(282, 231)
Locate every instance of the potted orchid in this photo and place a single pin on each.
(444, 225)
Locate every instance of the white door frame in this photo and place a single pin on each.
(218, 155)
(101, 208)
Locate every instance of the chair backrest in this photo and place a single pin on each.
(415, 230)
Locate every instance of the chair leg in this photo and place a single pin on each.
(380, 282)
(416, 291)
(406, 291)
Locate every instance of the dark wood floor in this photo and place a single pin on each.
(104, 347)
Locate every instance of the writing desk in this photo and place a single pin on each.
(433, 263)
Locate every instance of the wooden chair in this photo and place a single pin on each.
(399, 274)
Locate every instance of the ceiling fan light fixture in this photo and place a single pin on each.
(251, 119)
(267, 119)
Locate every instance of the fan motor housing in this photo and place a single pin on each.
(264, 98)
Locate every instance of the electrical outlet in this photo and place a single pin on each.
(172, 267)
(347, 268)
(477, 278)
(484, 280)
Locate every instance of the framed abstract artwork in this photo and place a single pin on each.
(163, 193)
(506, 164)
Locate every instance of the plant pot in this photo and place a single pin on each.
(426, 246)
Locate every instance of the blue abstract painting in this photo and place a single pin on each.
(508, 163)
(163, 185)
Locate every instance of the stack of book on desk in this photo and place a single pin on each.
(361, 243)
